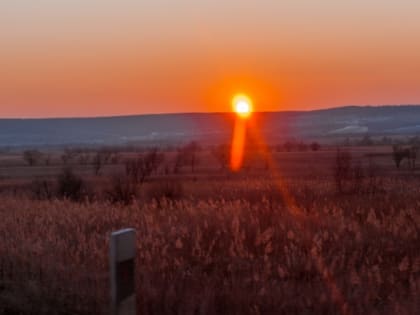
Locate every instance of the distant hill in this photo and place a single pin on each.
(210, 127)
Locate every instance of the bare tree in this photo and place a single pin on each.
(69, 155)
(187, 155)
(100, 159)
(143, 166)
(97, 163)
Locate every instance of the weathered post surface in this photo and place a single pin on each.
(122, 257)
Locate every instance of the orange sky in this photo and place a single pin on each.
(92, 57)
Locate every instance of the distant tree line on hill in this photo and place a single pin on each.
(368, 140)
(300, 146)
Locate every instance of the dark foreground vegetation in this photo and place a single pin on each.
(315, 231)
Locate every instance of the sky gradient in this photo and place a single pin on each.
(96, 58)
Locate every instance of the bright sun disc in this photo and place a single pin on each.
(242, 105)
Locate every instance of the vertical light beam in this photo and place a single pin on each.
(238, 144)
(242, 105)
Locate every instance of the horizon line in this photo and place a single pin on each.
(202, 112)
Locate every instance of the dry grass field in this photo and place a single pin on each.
(276, 240)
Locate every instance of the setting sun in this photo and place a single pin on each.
(242, 105)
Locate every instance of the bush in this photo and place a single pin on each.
(315, 146)
(42, 189)
(409, 153)
(70, 186)
(123, 190)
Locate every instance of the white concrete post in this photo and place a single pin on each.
(122, 266)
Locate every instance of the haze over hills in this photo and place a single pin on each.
(164, 129)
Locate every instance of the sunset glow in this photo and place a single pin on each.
(65, 58)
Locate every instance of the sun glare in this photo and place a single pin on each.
(242, 105)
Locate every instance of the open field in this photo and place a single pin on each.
(276, 238)
(234, 157)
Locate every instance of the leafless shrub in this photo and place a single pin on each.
(42, 189)
(123, 190)
(70, 186)
(140, 168)
(400, 153)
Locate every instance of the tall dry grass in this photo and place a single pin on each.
(241, 252)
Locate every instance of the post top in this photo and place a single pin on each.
(123, 231)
